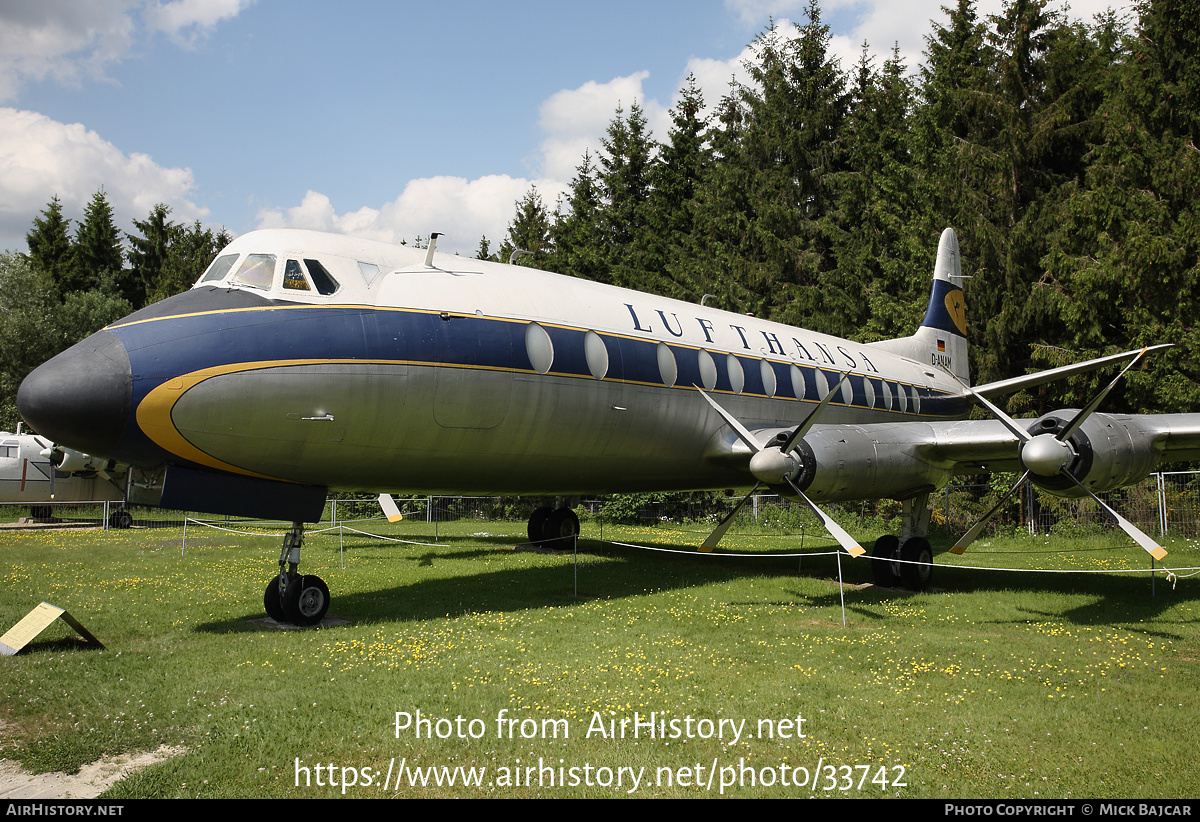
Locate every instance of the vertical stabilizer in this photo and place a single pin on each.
(942, 338)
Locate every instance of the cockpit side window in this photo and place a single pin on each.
(321, 277)
(293, 277)
(258, 271)
(369, 271)
(219, 268)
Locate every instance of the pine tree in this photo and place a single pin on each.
(190, 252)
(624, 180)
(761, 210)
(98, 252)
(148, 254)
(876, 231)
(529, 232)
(677, 170)
(49, 242)
(579, 246)
(1123, 265)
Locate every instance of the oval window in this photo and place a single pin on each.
(768, 378)
(737, 377)
(708, 370)
(797, 381)
(539, 348)
(668, 369)
(596, 353)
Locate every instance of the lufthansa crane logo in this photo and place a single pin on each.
(958, 310)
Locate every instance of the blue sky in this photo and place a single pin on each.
(384, 119)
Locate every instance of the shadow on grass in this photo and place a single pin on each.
(605, 571)
(611, 571)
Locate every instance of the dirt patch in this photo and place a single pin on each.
(91, 781)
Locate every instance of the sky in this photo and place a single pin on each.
(387, 119)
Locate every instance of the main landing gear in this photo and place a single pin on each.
(553, 528)
(915, 567)
(292, 597)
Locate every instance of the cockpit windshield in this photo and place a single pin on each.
(219, 268)
(257, 271)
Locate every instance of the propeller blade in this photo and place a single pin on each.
(1086, 412)
(1009, 422)
(1136, 534)
(742, 432)
(803, 427)
(390, 509)
(976, 529)
(845, 540)
(711, 541)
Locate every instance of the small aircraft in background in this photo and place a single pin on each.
(303, 361)
(33, 471)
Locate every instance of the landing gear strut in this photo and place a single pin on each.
(553, 528)
(915, 567)
(292, 597)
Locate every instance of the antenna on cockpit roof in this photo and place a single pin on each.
(432, 247)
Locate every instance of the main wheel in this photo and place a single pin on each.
(537, 523)
(882, 567)
(916, 577)
(306, 600)
(271, 603)
(120, 519)
(561, 528)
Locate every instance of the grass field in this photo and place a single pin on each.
(994, 684)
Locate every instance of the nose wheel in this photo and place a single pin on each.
(301, 599)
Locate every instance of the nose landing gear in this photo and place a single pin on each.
(301, 599)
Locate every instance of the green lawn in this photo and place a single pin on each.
(994, 684)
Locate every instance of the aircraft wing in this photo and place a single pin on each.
(977, 446)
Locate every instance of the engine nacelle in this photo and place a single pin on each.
(847, 462)
(70, 461)
(1110, 452)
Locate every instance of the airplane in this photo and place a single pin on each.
(303, 361)
(34, 471)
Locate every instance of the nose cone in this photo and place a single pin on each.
(82, 397)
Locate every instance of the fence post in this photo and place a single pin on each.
(1162, 505)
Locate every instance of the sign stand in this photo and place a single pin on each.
(36, 621)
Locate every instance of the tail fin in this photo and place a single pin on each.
(942, 338)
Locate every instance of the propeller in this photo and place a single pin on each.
(390, 509)
(1048, 455)
(776, 465)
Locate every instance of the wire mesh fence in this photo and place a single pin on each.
(1166, 503)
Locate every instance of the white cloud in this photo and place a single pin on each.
(70, 40)
(41, 158)
(883, 24)
(575, 120)
(185, 20)
(61, 40)
(462, 210)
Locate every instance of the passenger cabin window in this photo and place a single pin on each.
(257, 271)
(219, 268)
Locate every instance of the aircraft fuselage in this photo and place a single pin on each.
(458, 377)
